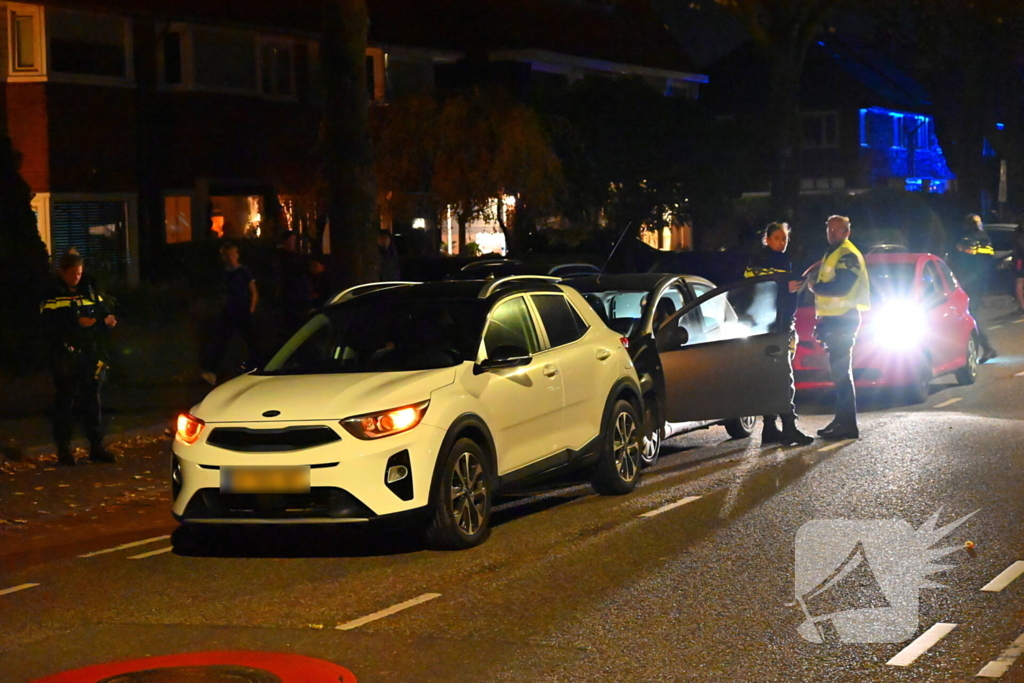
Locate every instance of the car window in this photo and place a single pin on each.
(932, 287)
(511, 325)
(561, 321)
(948, 274)
(746, 310)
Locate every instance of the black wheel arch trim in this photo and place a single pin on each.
(455, 432)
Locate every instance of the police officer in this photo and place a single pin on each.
(841, 292)
(74, 318)
(772, 260)
(973, 262)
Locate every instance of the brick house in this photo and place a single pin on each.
(152, 122)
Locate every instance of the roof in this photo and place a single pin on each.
(623, 282)
(447, 290)
(626, 32)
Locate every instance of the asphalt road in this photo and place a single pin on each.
(575, 587)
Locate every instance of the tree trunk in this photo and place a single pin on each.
(351, 196)
(786, 134)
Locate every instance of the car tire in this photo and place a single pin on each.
(969, 372)
(654, 430)
(462, 509)
(741, 427)
(618, 468)
(918, 391)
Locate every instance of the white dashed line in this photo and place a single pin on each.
(349, 625)
(948, 403)
(1005, 578)
(838, 444)
(126, 545)
(670, 506)
(995, 327)
(1018, 322)
(997, 667)
(1019, 374)
(921, 644)
(152, 553)
(15, 589)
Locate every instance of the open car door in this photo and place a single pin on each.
(725, 354)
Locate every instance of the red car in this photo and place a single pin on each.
(918, 328)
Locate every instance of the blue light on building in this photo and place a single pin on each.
(1000, 126)
(903, 145)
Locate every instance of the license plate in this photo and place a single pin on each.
(265, 479)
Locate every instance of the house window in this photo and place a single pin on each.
(224, 60)
(277, 73)
(87, 44)
(178, 219)
(25, 40)
(819, 130)
(98, 230)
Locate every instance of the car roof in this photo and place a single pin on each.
(622, 281)
(448, 290)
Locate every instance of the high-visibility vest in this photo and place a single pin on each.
(976, 246)
(859, 296)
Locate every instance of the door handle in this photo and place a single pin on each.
(550, 371)
(603, 354)
(773, 351)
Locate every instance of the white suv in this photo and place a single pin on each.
(415, 399)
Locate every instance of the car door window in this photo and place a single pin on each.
(746, 310)
(932, 288)
(561, 321)
(511, 325)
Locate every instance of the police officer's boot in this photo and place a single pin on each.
(791, 436)
(769, 432)
(64, 457)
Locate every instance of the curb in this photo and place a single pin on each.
(37, 453)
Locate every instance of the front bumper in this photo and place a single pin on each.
(873, 367)
(346, 478)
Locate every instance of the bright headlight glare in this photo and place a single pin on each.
(899, 325)
(385, 422)
(189, 428)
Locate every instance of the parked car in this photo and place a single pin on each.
(705, 356)
(918, 329)
(567, 270)
(1004, 276)
(485, 268)
(415, 400)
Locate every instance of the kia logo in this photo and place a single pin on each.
(272, 413)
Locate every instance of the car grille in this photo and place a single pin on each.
(246, 440)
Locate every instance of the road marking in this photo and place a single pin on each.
(349, 625)
(126, 545)
(997, 667)
(948, 403)
(1018, 322)
(1019, 374)
(1005, 578)
(670, 506)
(995, 327)
(152, 553)
(838, 444)
(921, 644)
(15, 589)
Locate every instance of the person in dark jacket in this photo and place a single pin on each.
(973, 263)
(241, 299)
(74, 319)
(772, 260)
(390, 268)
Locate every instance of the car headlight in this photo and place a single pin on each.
(189, 428)
(385, 422)
(899, 325)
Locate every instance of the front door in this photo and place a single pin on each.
(739, 363)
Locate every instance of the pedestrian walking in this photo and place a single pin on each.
(390, 267)
(973, 263)
(74, 319)
(1018, 262)
(772, 260)
(241, 299)
(841, 292)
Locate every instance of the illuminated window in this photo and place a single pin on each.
(25, 41)
(178, 219)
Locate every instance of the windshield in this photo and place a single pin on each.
(397, 336)
(888, 281)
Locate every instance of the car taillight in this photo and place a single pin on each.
(625, 342)
(189, 428)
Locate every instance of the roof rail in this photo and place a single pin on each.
(490, 287)
(358, 290)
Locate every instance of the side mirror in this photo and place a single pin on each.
(671, 337)
(505, 356)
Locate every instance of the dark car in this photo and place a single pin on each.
(489, 268)
(705, 356)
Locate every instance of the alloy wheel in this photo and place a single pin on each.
(626, 448)
(972, 358)
(469, 494)
(748, 422)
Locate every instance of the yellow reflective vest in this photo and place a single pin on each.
(859, 296)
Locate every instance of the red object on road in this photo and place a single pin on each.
(211, 667)
(918, 327)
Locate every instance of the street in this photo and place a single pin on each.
(690, 578)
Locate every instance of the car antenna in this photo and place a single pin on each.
(612, 253)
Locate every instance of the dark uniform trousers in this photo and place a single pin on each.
(77, 382)
(839, 333)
